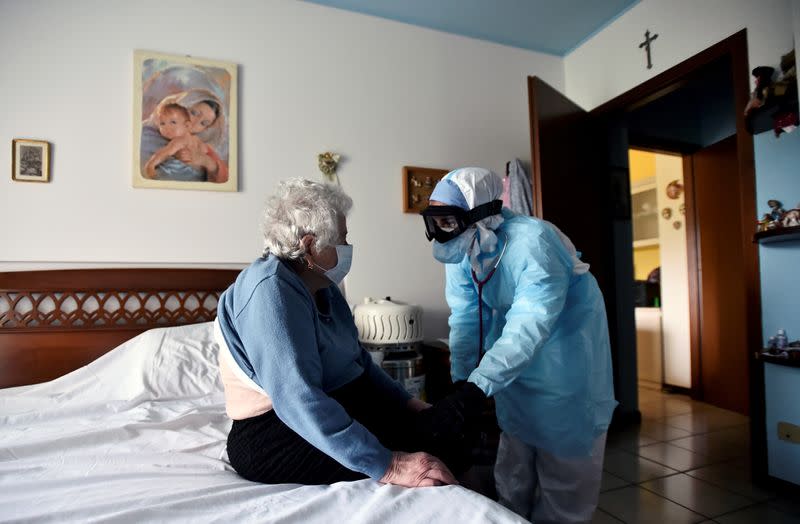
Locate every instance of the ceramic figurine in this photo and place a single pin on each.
(777, 211)
(791, 218)
(763, 76)
(763, 224)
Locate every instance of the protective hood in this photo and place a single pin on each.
(477, 186)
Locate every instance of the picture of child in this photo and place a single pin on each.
(184, 123)
(178, 125)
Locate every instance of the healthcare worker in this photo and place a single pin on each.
(527, 327)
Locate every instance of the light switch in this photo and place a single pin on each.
(789, 432)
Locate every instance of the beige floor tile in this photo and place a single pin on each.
(706, 420)
(632, 468)
(679, 459)
(666, 407)
(635, 505)
(697, 495)
(629, 440)
(646, 395)
(611, 482)
(660, 431)
(601, 517)
(759, 514)
(725, 444)
(733, 478)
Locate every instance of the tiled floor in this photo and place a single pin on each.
(687, 462)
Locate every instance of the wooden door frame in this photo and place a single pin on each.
(734, 48)
(693, 268)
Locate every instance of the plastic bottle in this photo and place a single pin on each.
(781, 340)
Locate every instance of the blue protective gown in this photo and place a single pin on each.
(548, 360)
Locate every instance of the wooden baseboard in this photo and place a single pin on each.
(677, 390)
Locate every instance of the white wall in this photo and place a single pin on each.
(312, 78)
(674, 276)
(611, 62)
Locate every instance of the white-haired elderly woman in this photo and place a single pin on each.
(308, 404)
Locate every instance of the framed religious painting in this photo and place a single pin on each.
(30, 160)
(184, 123)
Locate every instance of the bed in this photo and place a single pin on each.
(112, 410)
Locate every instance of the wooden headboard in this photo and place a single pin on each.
(53, 322)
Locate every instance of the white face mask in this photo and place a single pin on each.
(455, 250)
(345, 258)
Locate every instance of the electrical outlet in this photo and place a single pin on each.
(789, 432)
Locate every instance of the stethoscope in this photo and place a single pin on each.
(481, 283)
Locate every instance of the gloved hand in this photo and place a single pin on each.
(417, 469)
(449, 418)
(471, 396)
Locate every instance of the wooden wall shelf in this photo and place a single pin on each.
(781, 361)
(781, 234)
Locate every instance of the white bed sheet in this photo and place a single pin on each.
(139, 436)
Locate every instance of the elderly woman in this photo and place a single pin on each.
(308, 404)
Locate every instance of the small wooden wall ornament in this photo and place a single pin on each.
(418, 184)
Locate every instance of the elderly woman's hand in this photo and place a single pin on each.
(416, 470)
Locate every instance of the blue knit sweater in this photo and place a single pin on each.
(297, 353)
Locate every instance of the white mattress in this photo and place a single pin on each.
(139, 436)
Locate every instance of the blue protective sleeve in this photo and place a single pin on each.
(542, 282)
(284, 354)
(463, 301)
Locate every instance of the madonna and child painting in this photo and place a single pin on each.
(184, 123)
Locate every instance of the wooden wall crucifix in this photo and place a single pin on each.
(646, 45)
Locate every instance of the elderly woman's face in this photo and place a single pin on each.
(201, 116)
(326, 258)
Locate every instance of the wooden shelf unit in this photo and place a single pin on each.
(774, 359)
(780, 234)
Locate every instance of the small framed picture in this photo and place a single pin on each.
(418, 184)
(30, 160)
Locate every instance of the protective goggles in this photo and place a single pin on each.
(443, 223)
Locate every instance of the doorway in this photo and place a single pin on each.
(661, 271)
(581, 157)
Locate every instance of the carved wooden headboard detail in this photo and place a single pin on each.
(53, 322)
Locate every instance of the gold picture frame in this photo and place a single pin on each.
(30, 160)
(418, 184)
(198, 98)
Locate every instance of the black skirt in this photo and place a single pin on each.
(264, 449)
